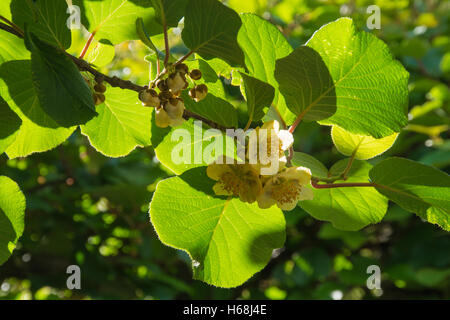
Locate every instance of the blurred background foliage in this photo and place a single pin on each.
(89, 210)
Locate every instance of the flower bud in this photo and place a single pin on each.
(149, 97)
(182, 68)
(162, 85)
(162, 119)
(176, 82)
(195, 74)
(100, 87)
(165, 96)
(199, 92)
(175, 108)
(99, 98)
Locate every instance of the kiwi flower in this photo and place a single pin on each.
(286, 189)
(273, 160)
(239, 180)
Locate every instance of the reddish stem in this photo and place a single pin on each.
(315, 184)
(166, 44)
(297, 122)
(86, 46)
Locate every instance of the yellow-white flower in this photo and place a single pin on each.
(282, 140)
(239, 180)
(286, 189)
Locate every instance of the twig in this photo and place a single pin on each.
(12, 24)
(10, 30)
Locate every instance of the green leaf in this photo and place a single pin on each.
(306, 84)
(113, 21)
(259, 95)
(350, 208)
(364, 147)
(213, 108)
(190, 145)
(371, 87)
(169, 10)
(210, 29)
(62, 91)
(12, 215)
(122, 124)
(100, 54)
(317, 168)
(263, 44)
(9, 125)
(415, 187)
(227, 240)
(5, 9)
(38, 132)
(12, 48)
(46, 18)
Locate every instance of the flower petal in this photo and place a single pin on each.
(286, 139)
(220, 191)
(265, 201)
(287, 206)
(306, 194)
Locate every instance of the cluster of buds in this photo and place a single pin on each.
(165, 95)
(97, 87)
(99, 93)
(284, 187)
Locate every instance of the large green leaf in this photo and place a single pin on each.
(190, 145)
(263, 44)
(46, 18)
(363, 147)
(415, 187)
(210, 29)
(259, 95)
(12, 47)
(215, 109)
(317, 168)
(371, 87)
(38, 132)
(350, 208)
(306, 84)
(113, 21)
(227, 240)
(12, 214)
(169, 10)
(62, 91)
(9, 125)
(5, 9)
(122, 124)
